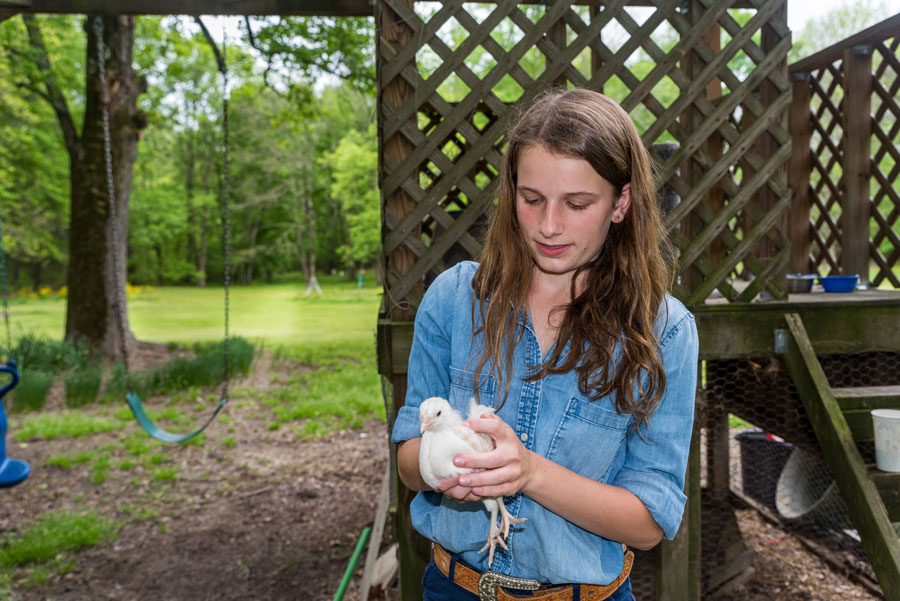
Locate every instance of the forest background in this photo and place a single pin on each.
(303, 156)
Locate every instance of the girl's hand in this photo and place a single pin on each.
(451, 488)
(503, 471)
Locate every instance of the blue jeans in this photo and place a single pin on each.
(439, 588)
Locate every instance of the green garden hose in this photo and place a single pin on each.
(348, 573)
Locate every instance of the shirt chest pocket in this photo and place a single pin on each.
(462, 388)
(588, 438)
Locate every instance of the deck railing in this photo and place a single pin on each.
(845, 214)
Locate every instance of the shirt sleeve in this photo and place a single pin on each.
(428, 373)
(656, 458)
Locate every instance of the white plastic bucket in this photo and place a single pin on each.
(886, 423)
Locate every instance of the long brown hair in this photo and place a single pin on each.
(620, 292)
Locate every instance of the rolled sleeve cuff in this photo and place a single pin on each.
(406, 425)
(663, 499)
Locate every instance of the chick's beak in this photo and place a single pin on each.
(426, 423)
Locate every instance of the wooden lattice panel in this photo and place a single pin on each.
(827, 167)
(700, 74)
(885, 167)
(851, 207)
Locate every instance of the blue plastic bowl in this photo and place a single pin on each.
(839, 283)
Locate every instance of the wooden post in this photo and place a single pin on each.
(767, 145)
(799, 172)
(678, 561)
(596, 61)
(691, 171)
(857, 125)
(717, 425)
(715, 198)
(413, 549)
(557, 35)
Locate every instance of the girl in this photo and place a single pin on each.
(566, 329)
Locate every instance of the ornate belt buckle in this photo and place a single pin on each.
(489, 581)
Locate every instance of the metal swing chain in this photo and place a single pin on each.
(111, 194)
(119, 300)
(5, 293)
(226, 225)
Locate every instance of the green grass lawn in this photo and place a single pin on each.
(334, 333)
(279, 314)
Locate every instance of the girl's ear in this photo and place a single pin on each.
(623, 203)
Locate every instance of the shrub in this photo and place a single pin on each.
(206, 369)
(114, 388)
(83, 385)
(42, 354)
(31, 392)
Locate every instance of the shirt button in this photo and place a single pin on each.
(524, 437)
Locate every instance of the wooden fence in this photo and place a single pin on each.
(845, 164)
(727, 69)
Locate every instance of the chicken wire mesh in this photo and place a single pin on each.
(770, 460)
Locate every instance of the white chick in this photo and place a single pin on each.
(443, 438)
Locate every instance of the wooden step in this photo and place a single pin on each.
(888, 485)
(857, 403)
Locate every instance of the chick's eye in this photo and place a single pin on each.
(438, 413)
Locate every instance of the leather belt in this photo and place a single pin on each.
(489, 585)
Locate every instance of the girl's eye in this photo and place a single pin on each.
(530, 201)
(577, 207)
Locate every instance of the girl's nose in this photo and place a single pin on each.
(551, 220)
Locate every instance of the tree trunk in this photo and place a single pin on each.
(310, 209)
(36, 276)
(204, 227)
(189, 166)
(298, 210)
(91, 311)
(248, 271)
(160, 268)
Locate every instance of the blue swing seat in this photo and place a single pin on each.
(12, 471)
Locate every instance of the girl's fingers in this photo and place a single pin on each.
(506, 477)
(461, 494)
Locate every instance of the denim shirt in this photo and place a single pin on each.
(552, 418)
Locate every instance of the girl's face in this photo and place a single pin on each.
(564, 208)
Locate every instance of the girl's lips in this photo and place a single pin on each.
(552, 251)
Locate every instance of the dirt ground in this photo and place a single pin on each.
(275, 518)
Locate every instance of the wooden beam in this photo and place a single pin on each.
(858, 490)
(306, 8)
(868, 397)
(800, 166)
(888, 485)
(747, 330)
(857, 125)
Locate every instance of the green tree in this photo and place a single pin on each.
(355, 187)
(34, 185)
(302, 49)
(93, 284)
